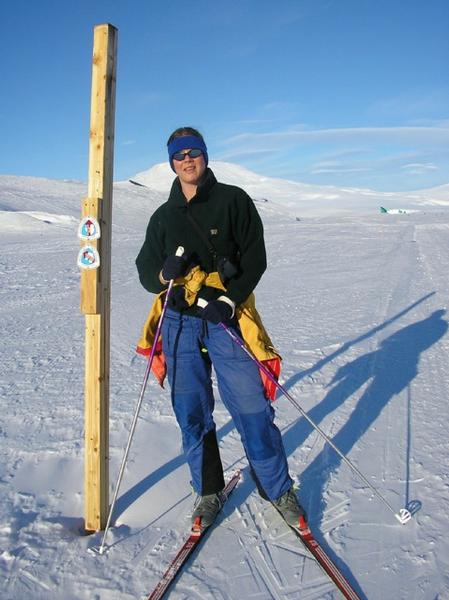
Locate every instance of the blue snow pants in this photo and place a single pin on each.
(191, 346)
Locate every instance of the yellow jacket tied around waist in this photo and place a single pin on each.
(253, 332)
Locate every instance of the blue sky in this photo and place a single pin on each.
(338, 92)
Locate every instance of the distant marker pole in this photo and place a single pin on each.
(94, 261)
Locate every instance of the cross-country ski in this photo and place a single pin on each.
(195, 538)
(303, 532)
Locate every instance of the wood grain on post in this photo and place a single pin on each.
(96, 282)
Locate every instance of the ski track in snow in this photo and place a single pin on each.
(356, 305)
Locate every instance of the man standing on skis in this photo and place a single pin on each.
(224, 258)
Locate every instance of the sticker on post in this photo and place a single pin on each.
(88, 258)
(89, 229)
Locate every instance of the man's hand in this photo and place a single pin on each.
(174, 267)
(219, 311)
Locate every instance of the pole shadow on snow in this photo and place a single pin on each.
(131, 495)
(388, 371)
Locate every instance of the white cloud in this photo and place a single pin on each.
(364, 155)
(323, 170)
(419, 168)
(299, 134)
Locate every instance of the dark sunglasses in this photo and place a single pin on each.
(193, 153)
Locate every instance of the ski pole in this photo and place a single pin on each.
(100, 550)
(404, 514)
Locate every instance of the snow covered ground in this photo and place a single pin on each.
(356, 303)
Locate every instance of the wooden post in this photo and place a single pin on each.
(96, 276)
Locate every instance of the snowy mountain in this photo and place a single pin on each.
(305, 199)
(355, 301)
(275, 196)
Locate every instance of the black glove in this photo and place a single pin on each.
(174, 267)
(217, 311)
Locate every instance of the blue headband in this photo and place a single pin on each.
(186, 142)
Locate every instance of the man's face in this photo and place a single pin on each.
(190, 170)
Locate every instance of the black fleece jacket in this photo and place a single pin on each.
(227, 217)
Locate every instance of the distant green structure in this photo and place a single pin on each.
(395, 211)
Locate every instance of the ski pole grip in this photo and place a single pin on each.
(179, 251)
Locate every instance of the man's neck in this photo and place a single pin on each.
(189, 190)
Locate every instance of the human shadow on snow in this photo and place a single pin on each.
(344, 347)
(387, 371)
